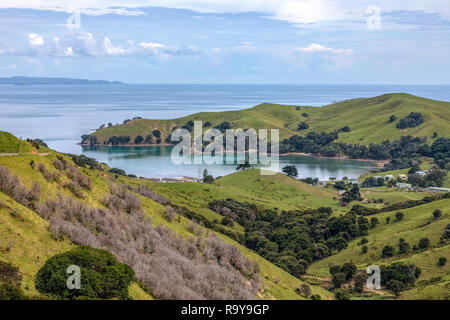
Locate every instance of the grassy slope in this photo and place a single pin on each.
(34, 239)
(411, 229)
(353, 113)
(10, 144)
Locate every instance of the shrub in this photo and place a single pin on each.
(437, 213)
(316, 297)
(424, 243)
(120, 172)
(388, 251)
(291, 171)
(304, 290)
(395, 286)
(9, 273)
(102, 277)
(399, 216)
(392, 118)
(11, 291)
(302, 126)
(340, 294)
(412, 120)
(364, 249)
(442, 261)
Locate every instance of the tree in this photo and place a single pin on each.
(340, 294)
(388, 219)
(395, 286)
(138, 139)
(399, 216)
(364, 249)
(424, 243)
(11, 291)
(359, 282)
(207, 178)
(388, 251)
(302, 126)
(442, 261)
(403, 246)
(437, 213)
(338, 279)
(304, 290)
(392, 118)
(102, 277)
(352, 194)
(291, 171)
(373, 222)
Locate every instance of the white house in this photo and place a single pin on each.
(402, 176)
(419, 173)
(402, 185)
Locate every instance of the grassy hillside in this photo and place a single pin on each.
(27, 242)
(10, 144)
(367, 118)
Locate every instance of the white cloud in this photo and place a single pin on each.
(90, 45)
(295, 11)
(315, 47)
(35, 39)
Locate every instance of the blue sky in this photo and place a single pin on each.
(218, 41)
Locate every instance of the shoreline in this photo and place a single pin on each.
(378, 163)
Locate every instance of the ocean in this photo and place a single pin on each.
(59, 115)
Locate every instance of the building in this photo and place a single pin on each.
(419, 173)
(402, 185)
(402, 176)
(435, 189)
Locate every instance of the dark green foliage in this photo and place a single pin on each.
(399, 216)
(157, 134)
(363, 241)
(138, 139)
(392, 118)
(345, 129)
(227, 222)
(207, 178)
(395, 286)
(364, 249)
(116, 140)
(117, 171)
(83, 161)
(403, 246)
(11, 291)
(359, 282)
(342, 274)
(340, 294)
(102, 277)
(352, 194)
(388, 251)
(302, 126)
(371, 182)
(9, 273)
(410, 121)
(406, 273)
(291, 171)
(424, 243)
(316, 297)
(437, 214)
(442, 261)
(148, 139)
(223, 126)
(305, 115)
(207, 124)
(310, 180)
(340, 185)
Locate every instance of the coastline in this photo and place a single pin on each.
(378, 163)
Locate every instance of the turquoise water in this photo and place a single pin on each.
(59, 115)
(155, 162)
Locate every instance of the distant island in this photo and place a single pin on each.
(18, 80)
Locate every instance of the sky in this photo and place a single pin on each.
(228, 41)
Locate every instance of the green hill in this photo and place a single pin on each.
(10, 144)
(368, 120)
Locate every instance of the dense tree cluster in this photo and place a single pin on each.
(302, 126)
(293, 239)
(434, 178)
(116, 140)
(405, 273)
(102, 276)
(366, 211)
(410, 121)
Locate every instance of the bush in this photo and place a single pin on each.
(120, 172)
(291, 171)
(395, 286)
(442, 261)
(102, 277)
(304, 290)
(424, 243)
(437, 213)
(388, 251)
(392, 118)
(340, 294)
(412, 120)
(302, 126)
(399, 216)
(364, 249)
(11, 291)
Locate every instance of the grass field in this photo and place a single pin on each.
(10, 144)
(353, 113)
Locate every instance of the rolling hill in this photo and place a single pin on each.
(367, 118)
